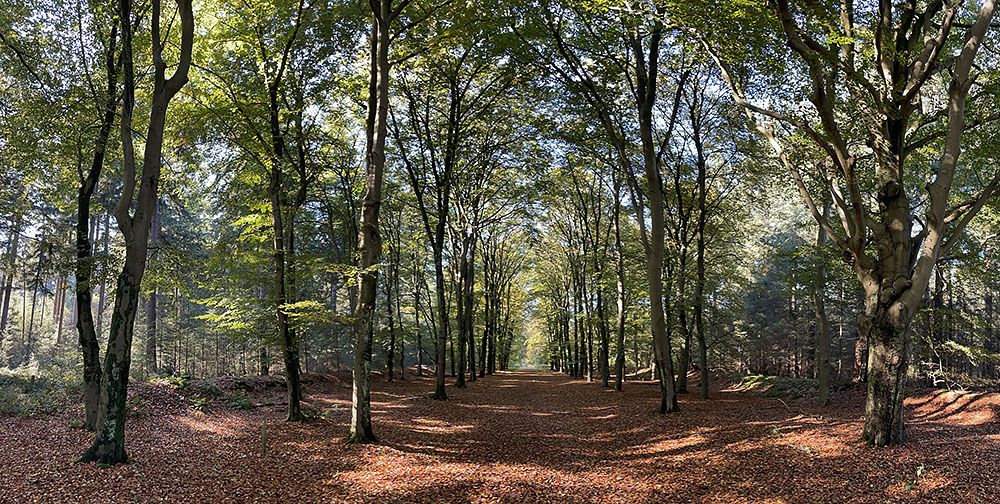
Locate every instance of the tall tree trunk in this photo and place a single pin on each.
(289, 347)
(28, 347)
(619, 289)
(460, 300)
(102, 295)
(87, 332)
(417, 283)
(588, 322)
(442, 316)
(59, 309)
(154, 237)
(603, 364)
(369, 239)
(684, 357)
(399, 314)
(390, 353)
(822, 327)
(11, 267)
(468, 292)
(580, 329)
(109, 442)
(263, 361)
(654, 256)
(484, 341)
(491, 358)
(699, 289)
(886, 322)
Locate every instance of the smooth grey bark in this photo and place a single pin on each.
(619, 287)
(369, 239)
(647, 71)
(822, 327)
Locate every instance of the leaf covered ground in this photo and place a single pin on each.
(513, 437)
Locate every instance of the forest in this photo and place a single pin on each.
(499, 251)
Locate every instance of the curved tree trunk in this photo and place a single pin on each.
(109, 442)
(86, 330)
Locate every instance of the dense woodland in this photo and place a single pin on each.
(616, 190)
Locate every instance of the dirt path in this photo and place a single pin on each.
(517, 437)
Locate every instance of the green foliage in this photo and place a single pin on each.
(134, 407)
(25, 395)
(200, 404)
(780, 386)
(911, 484)
(238, 401)
(313, 413)
(175, 381)
(212, 390)
(973, 354)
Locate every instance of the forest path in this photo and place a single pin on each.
(524, 436)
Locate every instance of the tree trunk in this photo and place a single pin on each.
(603, 363)
(822, 327)
(10, 267)
(684, 357)
(654, 255)
(263, 361)
(468, 288)
(886, 322)
(417, 282)
(87, 331)
(154, 237)
(28, 347)
(619, 290)
(109, 442)
(460, 300)
(59, 309)
(699, 291)
(102, 295)
(442, 315)
(390, 354)
(588, 323)
(289, 347)
(399, 313)
(887, 361)
(369, 239)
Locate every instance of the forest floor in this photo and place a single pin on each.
(513, 437)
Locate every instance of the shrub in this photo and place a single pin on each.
(133, 407)
(238, 401)
(22, 393)
(200, 404)
(177, 382)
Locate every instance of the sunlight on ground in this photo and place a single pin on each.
(674, 447)
(209, 424)
(958, 408)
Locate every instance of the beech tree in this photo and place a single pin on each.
(910, 74)
(106, 104)
(109, 442)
